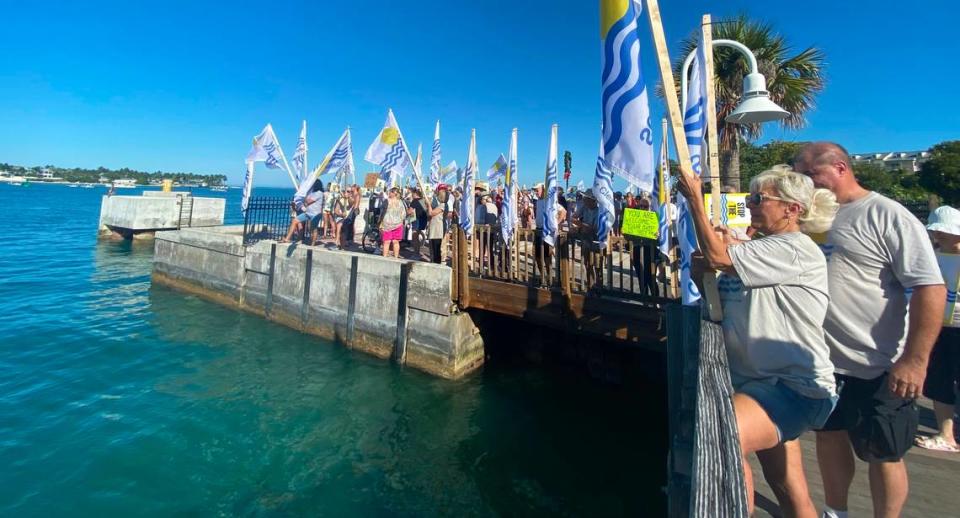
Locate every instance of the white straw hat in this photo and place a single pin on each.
(944, 219)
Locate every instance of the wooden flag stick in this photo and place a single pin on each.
(711, 292)
(713, 163)
(669, 90)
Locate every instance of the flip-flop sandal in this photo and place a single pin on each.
(936, 443)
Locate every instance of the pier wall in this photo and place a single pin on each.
(141, 216)
(384, 307)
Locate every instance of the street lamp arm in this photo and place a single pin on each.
(717, 43)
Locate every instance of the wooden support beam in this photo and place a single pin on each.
(710, 107)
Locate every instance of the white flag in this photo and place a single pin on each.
(550, 189)
(469, 177)
(497, 170)
(388, 150)
(603, 192)
(300, 155)
(266, 148)
(627, 137)
(508, 210)
(337, 159)
(694, 127)
(435, 171)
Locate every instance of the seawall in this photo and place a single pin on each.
(384, 307)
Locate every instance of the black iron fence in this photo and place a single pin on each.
(265, 218)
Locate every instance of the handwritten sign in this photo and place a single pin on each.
(640, 223)
(370, 181)
(736, 215)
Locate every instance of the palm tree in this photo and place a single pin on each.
(793, 81)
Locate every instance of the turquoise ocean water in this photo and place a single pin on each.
(119, 399)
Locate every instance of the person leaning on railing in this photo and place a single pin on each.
(773, 291)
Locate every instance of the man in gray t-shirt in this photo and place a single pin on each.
(879, 264)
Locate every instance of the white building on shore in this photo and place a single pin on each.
(908, 161)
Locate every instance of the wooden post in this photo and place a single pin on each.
(713, 160)
(711, 291)
(670, 92)
(463, 270)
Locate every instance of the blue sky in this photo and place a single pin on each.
(183, 86)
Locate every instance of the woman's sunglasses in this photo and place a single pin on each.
(756, 198)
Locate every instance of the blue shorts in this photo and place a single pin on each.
(303, 217)
(790, 412)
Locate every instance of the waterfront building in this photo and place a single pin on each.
(908, 161)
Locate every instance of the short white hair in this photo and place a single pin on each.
(819, 205)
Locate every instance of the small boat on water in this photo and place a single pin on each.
(87, 186)
(219, 188)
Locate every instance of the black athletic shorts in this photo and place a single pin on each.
(943, 372)
(881, 425)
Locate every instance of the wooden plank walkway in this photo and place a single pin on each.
(934, 480)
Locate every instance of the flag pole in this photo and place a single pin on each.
(306, 164)
(283, 157)
(706, 34)
(668, 271)
(679, 138)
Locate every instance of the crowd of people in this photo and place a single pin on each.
(835, 338)
(414, 216)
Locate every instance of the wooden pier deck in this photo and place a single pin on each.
(934, 480)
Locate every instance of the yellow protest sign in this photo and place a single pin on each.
(736, 215)
(640, 223)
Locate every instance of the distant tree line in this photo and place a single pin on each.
(939, 175)
(78, 174)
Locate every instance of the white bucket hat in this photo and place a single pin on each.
(944, 219)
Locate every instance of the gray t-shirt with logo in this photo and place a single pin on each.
(773, 311)
(876, 251)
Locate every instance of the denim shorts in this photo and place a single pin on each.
(303, 217)
(790, 412)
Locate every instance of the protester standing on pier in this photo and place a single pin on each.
(391, 225)
(310, 207)
(774, 296)
(436, 216)
(585, 225)
(876, 251)
(943, 374)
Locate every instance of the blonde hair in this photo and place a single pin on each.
(819, 205)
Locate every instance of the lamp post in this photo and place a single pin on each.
(755, 105)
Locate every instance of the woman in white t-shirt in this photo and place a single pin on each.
(943, 370)
(773, 290)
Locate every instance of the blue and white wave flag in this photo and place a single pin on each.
(300, 155)
(388, 150)
(694, 124)
(266, 148)
(247, 186)
(435, 170)
(627, 135)
(449, 173)
(469, 176)
(497, 170)
(508, 210)
(603, 192)
(339, 158)
(661, 199)
(550, 186)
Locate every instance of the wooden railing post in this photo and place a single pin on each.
(463, 269)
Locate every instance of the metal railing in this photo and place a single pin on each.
(266, 218)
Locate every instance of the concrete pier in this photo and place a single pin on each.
(138, 217)
(384, 307)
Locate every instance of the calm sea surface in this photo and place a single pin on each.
(119, 399)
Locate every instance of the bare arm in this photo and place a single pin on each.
(713, 247)
(926, 318)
